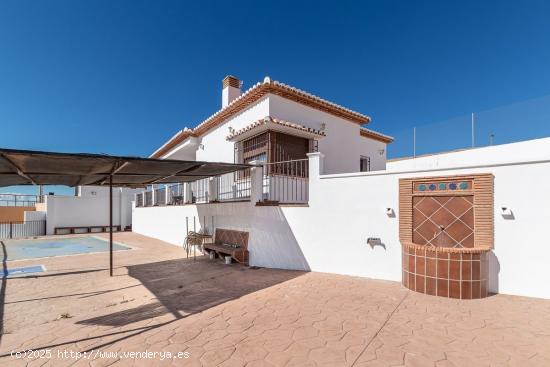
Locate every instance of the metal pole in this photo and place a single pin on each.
(414, 142)
(473, 126)
(111, 225)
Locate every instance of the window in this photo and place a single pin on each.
(364, 164)
(272, 147)
(260, 157)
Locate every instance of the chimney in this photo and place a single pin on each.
(231, 89)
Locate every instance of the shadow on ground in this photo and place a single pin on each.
(183, 287)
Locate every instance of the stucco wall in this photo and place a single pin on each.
(32, 216)
(330, 235)
(271, 243)
(342, 146)
(215, 147)
(89, 210)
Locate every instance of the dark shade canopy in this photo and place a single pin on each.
(26, 167)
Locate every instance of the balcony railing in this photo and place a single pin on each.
(148, 198)
(235, 186)
(175, 195)
(160, 196)
(281, 183)
(200, 191)
(286, 182)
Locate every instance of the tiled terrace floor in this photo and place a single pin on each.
(235, 316)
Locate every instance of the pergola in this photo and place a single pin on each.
(27, 167)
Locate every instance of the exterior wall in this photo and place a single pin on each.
(187, 151)
(271, 244)
(530, 150)
(89, 209)
(342, 146)
(35, 216)
(215, 146)
(520, 250)
(14, 213)
(330, 235)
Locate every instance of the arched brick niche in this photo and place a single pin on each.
(446, 228)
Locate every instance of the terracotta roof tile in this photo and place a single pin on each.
(371, 134)
(268, 120)
(255, 93)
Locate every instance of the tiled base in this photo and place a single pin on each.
(447, 272)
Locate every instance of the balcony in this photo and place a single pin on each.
(278, 183)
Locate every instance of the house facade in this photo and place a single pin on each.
(272, 122)
(321, 196)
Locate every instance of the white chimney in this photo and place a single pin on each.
(231, 89)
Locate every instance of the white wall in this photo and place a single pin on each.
(330, 235)
(530, 150)
(343, 144)
(89, 209)
(34, 216)
(216, 147)
(521, 249)
(271, 243)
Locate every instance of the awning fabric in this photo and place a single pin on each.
(26, 167)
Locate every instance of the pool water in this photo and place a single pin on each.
(30, 249)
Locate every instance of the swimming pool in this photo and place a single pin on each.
(31, 249)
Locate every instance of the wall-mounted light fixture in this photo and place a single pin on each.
(390, 212)
(506, 212)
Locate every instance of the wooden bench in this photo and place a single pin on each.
(224, 240)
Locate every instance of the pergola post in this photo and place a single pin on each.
(111, 225)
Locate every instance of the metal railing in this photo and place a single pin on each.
(148, 198)
(139, 200)
(282, 182)
(160, 196)
(200, 190)
(9, 230)
(286, 182)
(19, 200)
(175, 195)
(234, 186)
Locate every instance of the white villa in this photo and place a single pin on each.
(273, 122)
(320, 195)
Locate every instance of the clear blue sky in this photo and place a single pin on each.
(121, 77)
